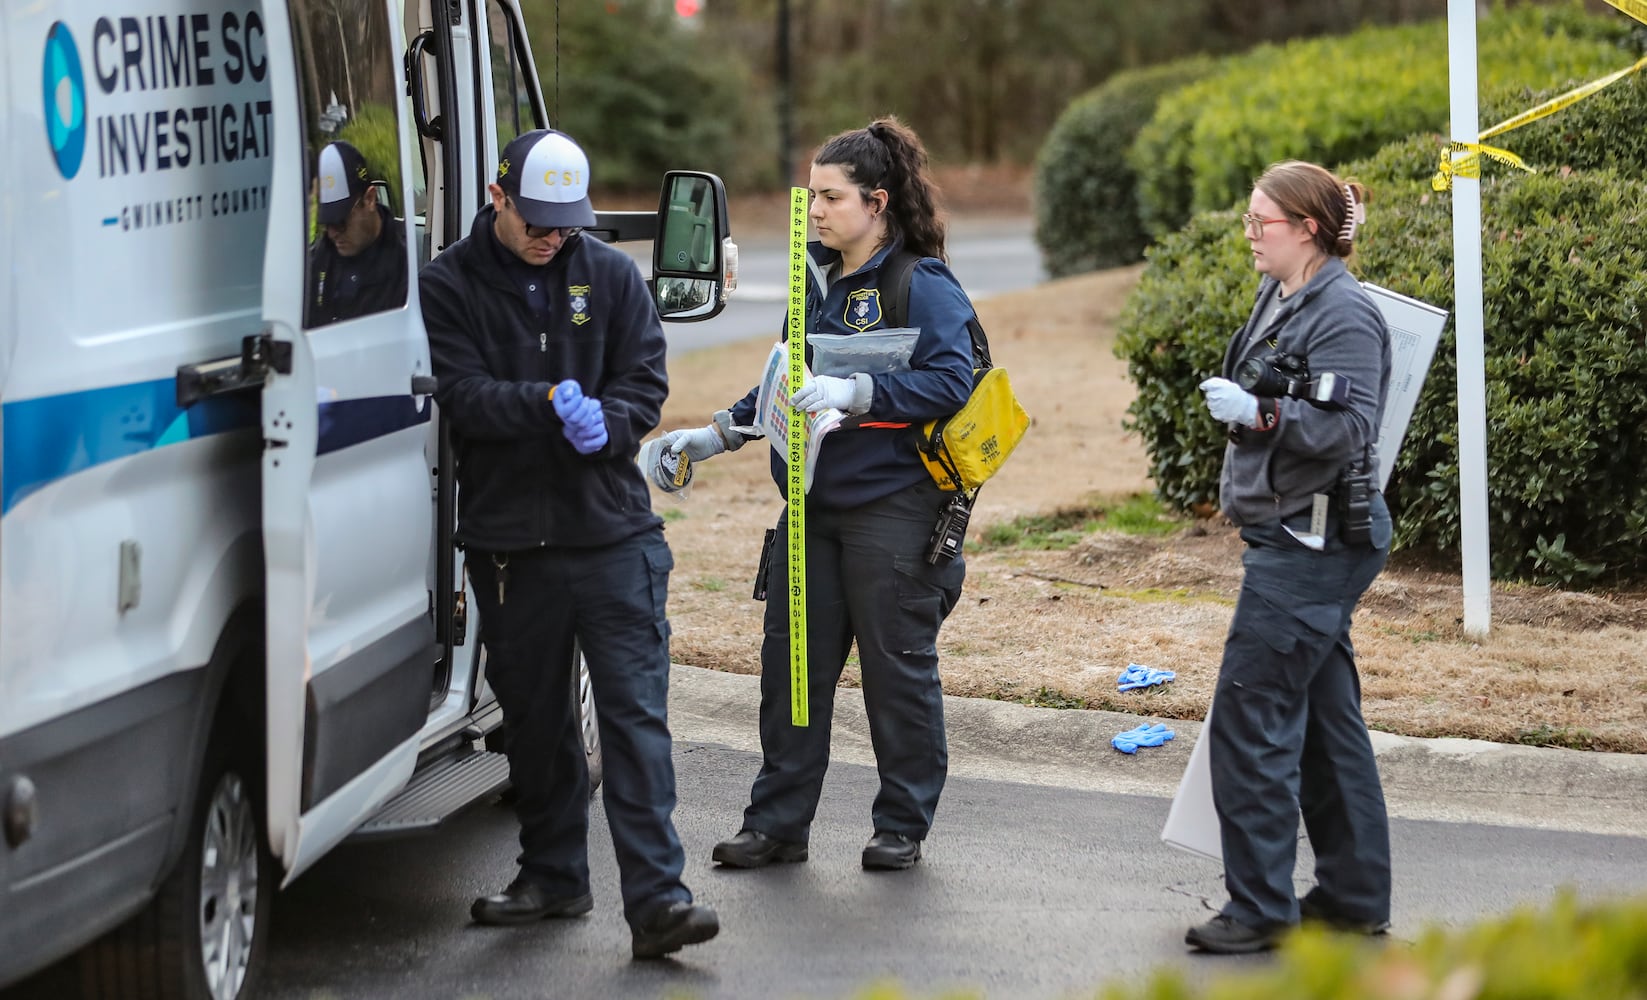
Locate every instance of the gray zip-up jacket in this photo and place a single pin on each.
(1333, 324)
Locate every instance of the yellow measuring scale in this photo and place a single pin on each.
(798, 713)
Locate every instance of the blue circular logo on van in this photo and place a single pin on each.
(64, 89)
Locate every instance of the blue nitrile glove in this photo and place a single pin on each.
(823, 391)
(589, 435)
(1145, 735)
(1139, 676)
(588, 439)
(565, 397)
(583, 419)
(1230, 403)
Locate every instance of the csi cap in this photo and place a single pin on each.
(343, 178)
(547, 176)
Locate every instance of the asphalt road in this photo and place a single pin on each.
(1026, 890)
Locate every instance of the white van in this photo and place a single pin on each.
(233, 628)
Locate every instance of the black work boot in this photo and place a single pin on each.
(890, 852)
(672, 927)
(753, 849)
(524, 902)
(1227, 936)
(1314, 912)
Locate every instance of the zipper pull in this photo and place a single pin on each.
(543, 343)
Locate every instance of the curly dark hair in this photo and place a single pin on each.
(888, 154)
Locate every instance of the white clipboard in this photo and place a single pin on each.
(1415, 329)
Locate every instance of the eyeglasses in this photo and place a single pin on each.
(539, 232)
(1253, 225)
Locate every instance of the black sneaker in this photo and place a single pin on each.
(672, 927)
(890, 852)
(753, 849)
(1314, 913)
(1227, 936)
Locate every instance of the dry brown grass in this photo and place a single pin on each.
(1056, 627)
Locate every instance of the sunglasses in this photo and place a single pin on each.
(539, 232)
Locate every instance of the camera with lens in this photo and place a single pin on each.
(1281, 374)
(1354, 500)
(950, 531)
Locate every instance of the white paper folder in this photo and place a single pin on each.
(1192, 822)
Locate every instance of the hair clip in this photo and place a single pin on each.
(1355, 213)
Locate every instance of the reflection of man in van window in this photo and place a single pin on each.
(358, 264)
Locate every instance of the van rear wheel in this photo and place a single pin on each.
(202, 937)
(588, 721)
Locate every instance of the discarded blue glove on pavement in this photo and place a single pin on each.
(1139, 676)
(1145, 735)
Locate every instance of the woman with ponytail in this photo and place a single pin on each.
(872, 507)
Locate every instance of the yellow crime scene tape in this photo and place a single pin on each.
(798, 712)
(1463, 159)
(1635, 8)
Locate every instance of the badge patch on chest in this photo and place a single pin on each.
(580, 303)
(863, 309)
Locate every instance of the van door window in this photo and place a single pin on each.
(514, 99)
(357, 255)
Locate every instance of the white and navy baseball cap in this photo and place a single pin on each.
(343, 179)
(547, 175)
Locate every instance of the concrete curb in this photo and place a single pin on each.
(1450, 780)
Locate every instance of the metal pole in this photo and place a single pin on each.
(1472, 375)
(785, 96)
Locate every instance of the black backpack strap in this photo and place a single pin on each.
(899, 266)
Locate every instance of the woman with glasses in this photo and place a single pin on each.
(1302, 392)
(872, 507)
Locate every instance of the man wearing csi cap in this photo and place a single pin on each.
(550, 361)
(358, 263)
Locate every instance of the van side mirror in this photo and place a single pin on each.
(694, 261)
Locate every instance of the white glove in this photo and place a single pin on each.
(1230, 403)
(699, 443)
(823, 391)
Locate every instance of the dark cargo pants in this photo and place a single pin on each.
(867, 579)
(1287, 732)
(612, 600)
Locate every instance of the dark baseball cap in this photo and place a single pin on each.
(547, 176)
(343, 179)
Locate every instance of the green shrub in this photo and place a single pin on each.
(1195, 293)
(1565, 302)
(1086, 205)
(1208, 141)
(1566, 951)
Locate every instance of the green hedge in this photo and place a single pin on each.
(1565, 300)
(1086, 206)
(1208, 141)
(1566, 951)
